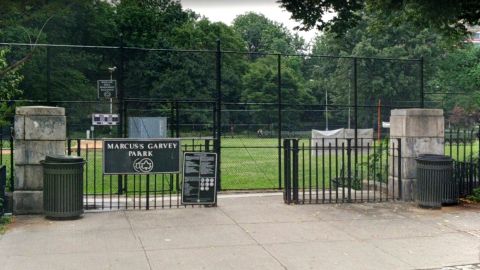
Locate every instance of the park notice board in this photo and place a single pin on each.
(199, 178)
(141, 156)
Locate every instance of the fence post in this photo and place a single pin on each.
(355, 112)
(295, 171)
(78, 147)
(279, 93)
(69, 146)
(349, 169)
(286, 167)
(422, 91)
(218, 69)
(48, 75)
(177, 119)
(399, 168)
(122, 127)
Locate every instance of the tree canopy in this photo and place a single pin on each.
(450, 16)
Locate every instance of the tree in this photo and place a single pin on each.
(263, 35)
(449, 16)
(395, 82)
(9, 86)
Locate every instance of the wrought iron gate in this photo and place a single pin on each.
(339, 171)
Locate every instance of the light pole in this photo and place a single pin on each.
(111, 70)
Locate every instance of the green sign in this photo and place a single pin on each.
(199, 178)
(141, 156)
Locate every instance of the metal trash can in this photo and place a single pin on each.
(63, 186)
(434, 180)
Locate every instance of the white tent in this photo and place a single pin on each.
(331, 139)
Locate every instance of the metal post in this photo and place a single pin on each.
(177, 120)
(48, 75)
(69, 146)
(122, 127)
(422, 93)
(121, 92)
(218, 69)
(355, 112)
(172, 117)
(295, 171)
(399, 165)
(147, 195)
(279, 93)
(286, 167)
(349, 169)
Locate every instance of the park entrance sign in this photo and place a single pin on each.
(141, 156)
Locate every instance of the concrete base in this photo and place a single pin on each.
(407, 187)
(27, 202)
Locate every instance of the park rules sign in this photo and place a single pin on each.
(142, 156)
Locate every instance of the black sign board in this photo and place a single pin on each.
(107, 89)
(142, 156)
(199, 178)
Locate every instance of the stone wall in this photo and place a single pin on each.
(39, 131)
(421, 132)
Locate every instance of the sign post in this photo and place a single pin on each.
(199, 178)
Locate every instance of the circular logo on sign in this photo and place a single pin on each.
(107, 94)
(143, 165)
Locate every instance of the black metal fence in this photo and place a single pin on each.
(248, 102)
(463, 145)
(155, 191)
(337, 171)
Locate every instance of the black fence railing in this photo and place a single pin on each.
(3, 187)
(155, 191)
(337, 171)
(463, 145)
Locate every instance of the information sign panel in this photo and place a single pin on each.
(199, 178)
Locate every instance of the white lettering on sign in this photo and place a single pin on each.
(140, 154)
(141, 146)
(162, 146)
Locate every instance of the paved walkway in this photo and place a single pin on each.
(255, 232)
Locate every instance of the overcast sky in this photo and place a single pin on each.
(226, 10)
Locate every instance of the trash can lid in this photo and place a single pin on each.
(62, 159)
(433, 157)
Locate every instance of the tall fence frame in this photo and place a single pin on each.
(218, 104)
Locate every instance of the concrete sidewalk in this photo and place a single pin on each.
(252, 232)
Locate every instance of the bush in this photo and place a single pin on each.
(475, 196)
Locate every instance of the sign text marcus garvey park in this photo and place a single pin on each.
(142, 156)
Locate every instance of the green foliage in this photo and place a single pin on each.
(446, 16)
(4, 221)
(475, 196)
(264, 35)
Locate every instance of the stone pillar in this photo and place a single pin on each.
(421, 132)
(39, 131)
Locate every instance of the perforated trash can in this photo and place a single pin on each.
(434, 180)
(63, 186)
